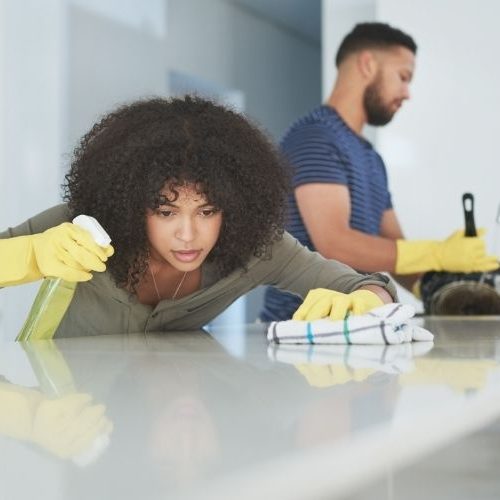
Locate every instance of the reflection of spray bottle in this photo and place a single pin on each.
(55, 294)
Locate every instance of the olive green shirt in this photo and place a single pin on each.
(100, 307)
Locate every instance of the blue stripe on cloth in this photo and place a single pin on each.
(310, 336)
(346, 330)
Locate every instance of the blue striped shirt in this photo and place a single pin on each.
(323, 149)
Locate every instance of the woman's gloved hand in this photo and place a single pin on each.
(69, 252)
(66, 251)
(322, 303)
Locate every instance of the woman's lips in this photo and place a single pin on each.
(186, 255)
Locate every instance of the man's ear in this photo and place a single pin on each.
(367, 64)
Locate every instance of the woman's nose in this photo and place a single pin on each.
(186, 230)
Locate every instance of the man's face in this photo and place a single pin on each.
(390, 85)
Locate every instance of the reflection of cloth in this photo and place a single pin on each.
(327, 365)
(387, 324)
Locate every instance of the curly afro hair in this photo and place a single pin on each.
(131, 154)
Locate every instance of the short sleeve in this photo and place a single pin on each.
(313, 157)
(383, 173)
(388, 204)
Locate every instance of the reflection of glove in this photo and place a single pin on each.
(457, 254)
(68, 426)
(329, 375)
(322, 303)
(65, 251)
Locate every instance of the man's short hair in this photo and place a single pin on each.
(373, 36)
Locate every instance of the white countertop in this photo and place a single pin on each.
(193, 415)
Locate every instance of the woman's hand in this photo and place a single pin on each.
(69, 252)
(323, 303)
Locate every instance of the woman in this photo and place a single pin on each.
(193, 197)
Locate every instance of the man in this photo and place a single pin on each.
(341, 205)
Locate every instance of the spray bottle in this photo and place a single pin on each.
(55, 294)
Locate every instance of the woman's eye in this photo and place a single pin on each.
(207, 212)
(166, 213)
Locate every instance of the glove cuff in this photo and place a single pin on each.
(22, 267)
(417, 256)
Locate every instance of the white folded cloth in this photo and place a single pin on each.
(388, 324)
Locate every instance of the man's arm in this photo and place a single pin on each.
(391, 229)
(326, 210)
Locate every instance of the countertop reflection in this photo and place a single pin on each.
(225, 415)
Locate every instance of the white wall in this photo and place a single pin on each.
(32, 96)
(445, 140)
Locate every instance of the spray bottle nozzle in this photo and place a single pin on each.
(101, 237)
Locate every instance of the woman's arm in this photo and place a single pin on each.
(292, 267)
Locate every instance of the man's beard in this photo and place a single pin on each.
(377, 112)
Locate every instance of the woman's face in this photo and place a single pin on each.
(183, 231)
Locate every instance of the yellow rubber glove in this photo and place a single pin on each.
(322, 303)
(456, 254)
(66, 251)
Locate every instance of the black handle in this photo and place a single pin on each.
(468, 204)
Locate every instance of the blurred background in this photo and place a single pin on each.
(64, 63)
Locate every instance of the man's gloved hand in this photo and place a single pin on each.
(66, 251)
(457, 254)
(322, 303)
